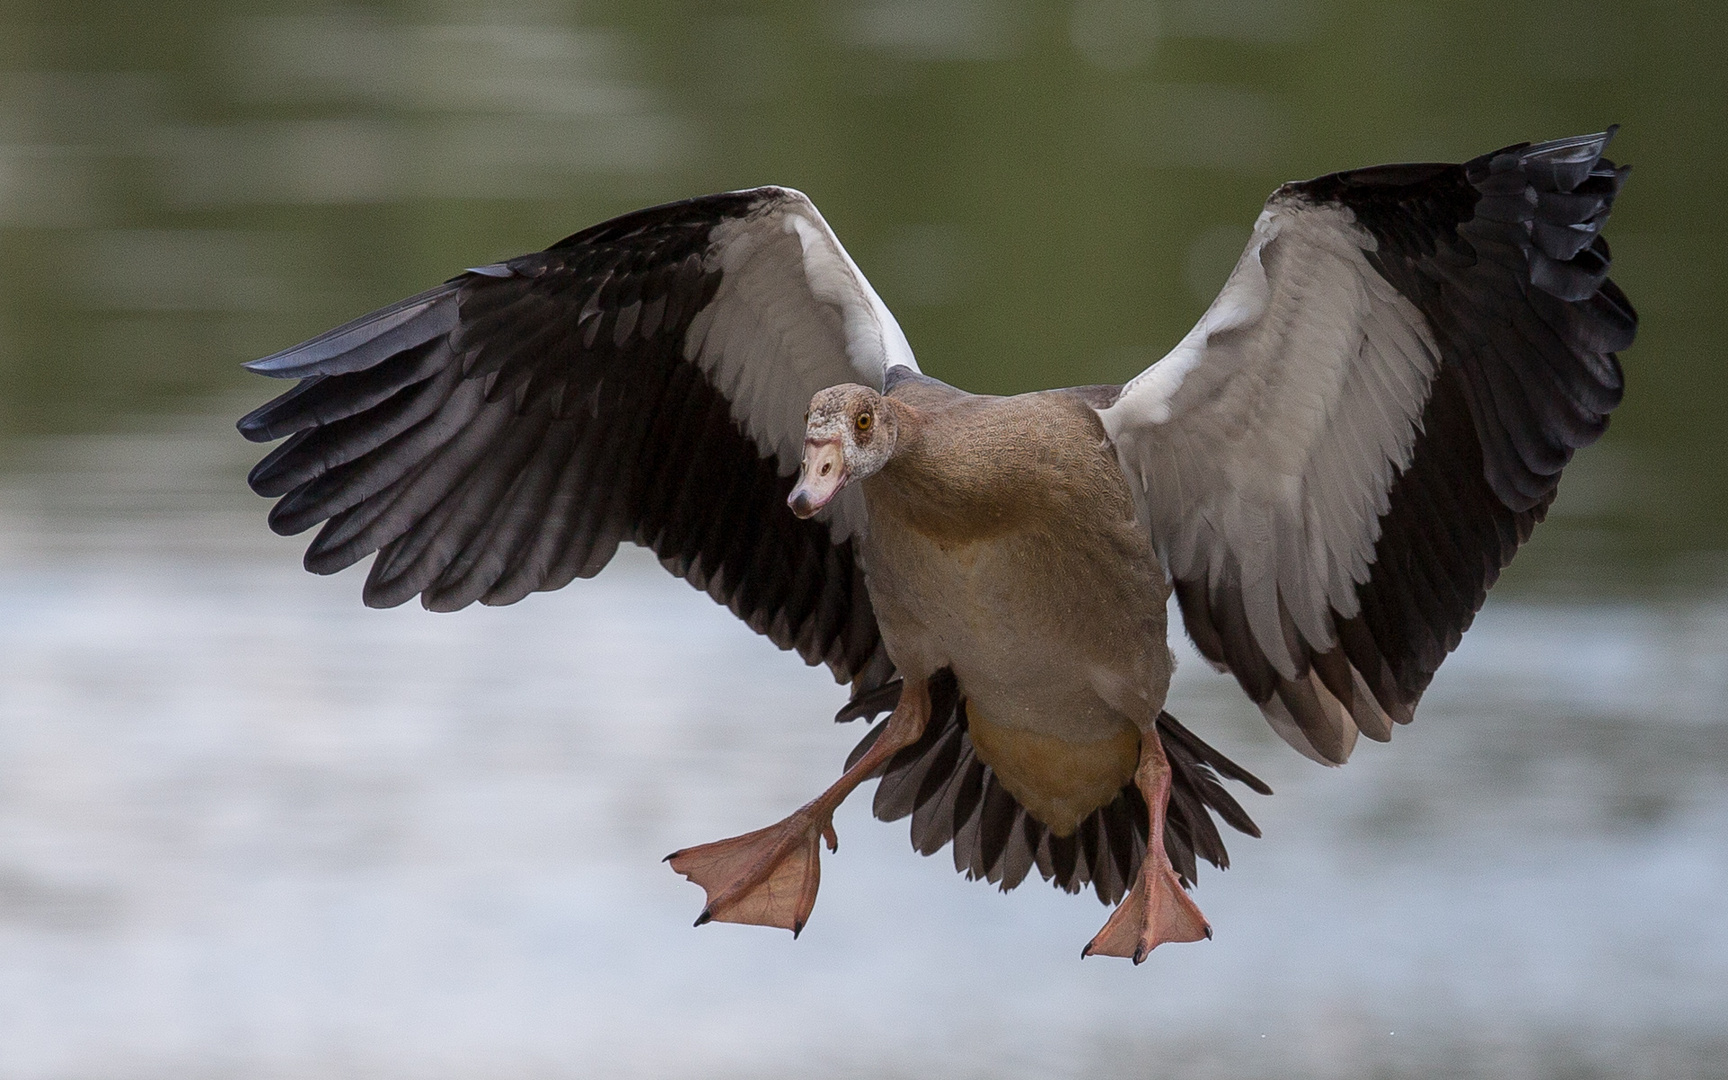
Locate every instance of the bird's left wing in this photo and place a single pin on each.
(1339, 459)
(645, 379)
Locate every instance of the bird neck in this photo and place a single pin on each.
(942, 479)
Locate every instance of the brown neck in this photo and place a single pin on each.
(947, 478)
(969, 467)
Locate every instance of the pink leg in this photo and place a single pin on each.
(769, 877)
(1156, 909)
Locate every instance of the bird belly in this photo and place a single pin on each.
(1059, 780)
(1061, 656)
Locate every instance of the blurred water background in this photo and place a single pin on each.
(250, 829)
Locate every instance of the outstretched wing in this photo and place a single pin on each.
(1337, 462)
(645, 379)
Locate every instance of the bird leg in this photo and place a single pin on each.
(1156, 909)
(769, 877)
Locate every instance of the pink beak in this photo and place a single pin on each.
(823, 476)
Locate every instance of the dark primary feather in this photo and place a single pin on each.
(1504, 258)
(503, 432)
(954, 798)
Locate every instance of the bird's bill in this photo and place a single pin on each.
(822, 477)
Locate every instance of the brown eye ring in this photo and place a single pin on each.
(863, 421)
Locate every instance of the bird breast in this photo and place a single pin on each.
(1022, 568)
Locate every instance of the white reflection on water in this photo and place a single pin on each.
(248, 827)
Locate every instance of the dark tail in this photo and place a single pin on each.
(954, 798)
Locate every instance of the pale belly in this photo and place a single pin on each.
(1058, 644)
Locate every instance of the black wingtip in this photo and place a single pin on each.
(871, 703)
(263, 364)
(366, 341)
(1558, 165)
(255, 426)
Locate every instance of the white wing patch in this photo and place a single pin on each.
(793, 315)
(1242, 301)
(1263, 448)
(872, 334)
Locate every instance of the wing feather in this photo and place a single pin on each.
(1338, 461)
(643, 380)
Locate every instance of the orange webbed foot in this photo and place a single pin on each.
(769, 877)
(765, 878)
(1138, 926)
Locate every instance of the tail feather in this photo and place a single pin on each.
(954, 798)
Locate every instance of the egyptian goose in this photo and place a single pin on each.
(1330, 471)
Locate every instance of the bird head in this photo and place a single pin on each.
(849, 434)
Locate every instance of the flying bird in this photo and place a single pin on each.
(1329, 471)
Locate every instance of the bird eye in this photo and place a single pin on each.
(863, 421)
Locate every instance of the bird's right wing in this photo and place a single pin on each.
(645, 379)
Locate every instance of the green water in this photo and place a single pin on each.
(1045, 193)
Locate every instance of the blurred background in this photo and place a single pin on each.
(250, 828)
